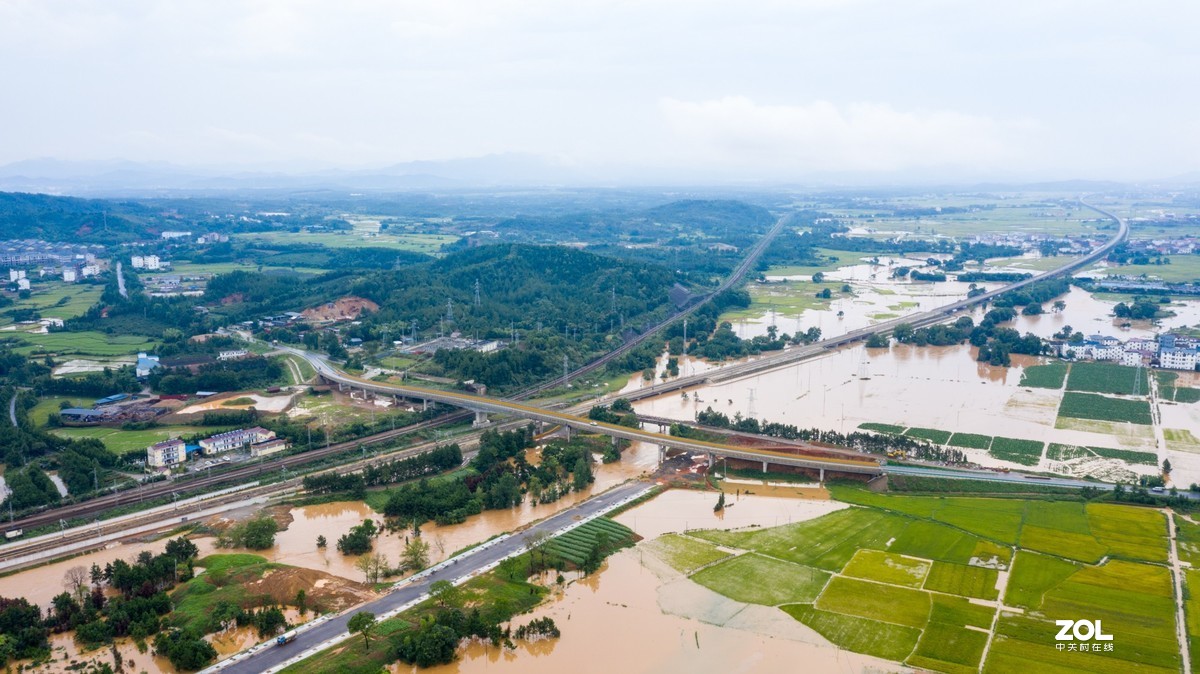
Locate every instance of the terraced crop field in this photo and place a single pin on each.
(575, 545)
(921, 579)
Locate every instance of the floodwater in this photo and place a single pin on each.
(41, 584)
(657, 621)
(65, 651)
(931, 387)
(297, 545)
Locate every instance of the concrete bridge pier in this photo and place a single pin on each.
(662, 453)
(822, 478)
(614, 441)
(711, 460)
(764, 466)
(424, 405)
(481, 420)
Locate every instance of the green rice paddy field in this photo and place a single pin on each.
(927, 581)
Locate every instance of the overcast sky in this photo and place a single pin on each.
(788, 90)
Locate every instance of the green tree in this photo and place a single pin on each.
(363, 623)
(446, 594)
(416, 554)
(582, 475)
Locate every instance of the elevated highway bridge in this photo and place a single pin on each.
(482, 406)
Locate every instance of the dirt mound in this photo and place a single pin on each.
(345, 309)
(282, 515)
(325, 591)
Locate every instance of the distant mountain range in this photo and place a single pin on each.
(513, 170)
(107, 178)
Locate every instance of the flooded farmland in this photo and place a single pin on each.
(663, 621)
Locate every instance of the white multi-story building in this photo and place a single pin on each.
(1134, 357)
(149, 262)
(89, 270)
(1177, 359)
(22, 284)
(70, 275)
(176, 235)
(16, 274)
(166, 453)
(230, 440)
(232, 354)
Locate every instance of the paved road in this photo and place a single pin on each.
(271, 656)
(865, 465)
(121, 281)
(933, 317)
(12, 407)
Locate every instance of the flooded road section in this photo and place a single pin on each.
(638, 615)
(297, 545)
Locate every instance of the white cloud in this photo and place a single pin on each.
(822, 136)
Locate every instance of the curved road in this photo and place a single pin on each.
(486, 405)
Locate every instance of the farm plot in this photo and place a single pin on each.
(886, 567)
(1188, 540)
(861, 635)
(685, 554)
(774, 582)
(1024, 452)
(89, 343)
(1192, 608)
(1050, 375)
(1104, 408)
(971, 440)
(577, 544)
(957, 546)
(882, 428)
(1108, 378)
(1134, 603)
(1033, 575)
(963, 580)
(885, 603)
(827, 542)
(931, 434)
(1057, 452)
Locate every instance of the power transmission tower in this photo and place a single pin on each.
(477, 302)
(449, 309)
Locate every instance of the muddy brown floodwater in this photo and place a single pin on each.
(297, 545)
(637, 615)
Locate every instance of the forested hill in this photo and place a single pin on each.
(524, 285)
(39, 216)
(732, 222)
